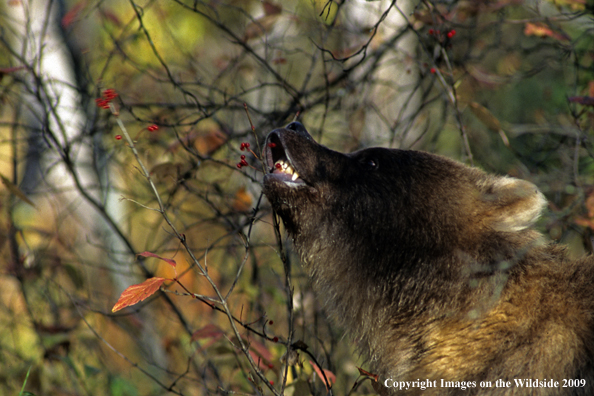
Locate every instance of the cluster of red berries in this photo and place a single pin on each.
(437, 33)
(152, 128)
(242, 163)
(108, 96)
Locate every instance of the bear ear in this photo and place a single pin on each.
(512, 204)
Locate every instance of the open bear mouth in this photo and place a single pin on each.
(279, 161)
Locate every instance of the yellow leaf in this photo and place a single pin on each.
(489, 120)
(485, 116)
(15, 190)
(575, 5)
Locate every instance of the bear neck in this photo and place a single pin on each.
(347, 282)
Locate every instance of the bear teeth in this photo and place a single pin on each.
(286, 168)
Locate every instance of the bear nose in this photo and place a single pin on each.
(299, 128)
(296, 126)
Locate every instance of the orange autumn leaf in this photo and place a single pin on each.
(137, 293)
(329, 374)
(242, 202)
(209, 143)
(542, 30)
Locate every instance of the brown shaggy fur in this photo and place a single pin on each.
(434, 269)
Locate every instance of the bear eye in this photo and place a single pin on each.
(370, 163)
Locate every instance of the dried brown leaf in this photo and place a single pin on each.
(208, 331)
(149, 254)
(368, 374)
(260, 26)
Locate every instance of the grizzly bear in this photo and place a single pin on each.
(433, 268)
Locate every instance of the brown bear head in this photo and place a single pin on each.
(392, 236)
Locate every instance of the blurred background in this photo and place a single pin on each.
(122, 124)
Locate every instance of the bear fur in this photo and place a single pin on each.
(433, 268)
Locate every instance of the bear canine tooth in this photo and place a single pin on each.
(295, 176)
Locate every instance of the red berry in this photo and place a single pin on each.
(271, 382)
(271, 322)
(152, 127)
(431, 31)
(239, 165)
(242, 157)
(451, 33)
(277, 166)
(118, 137)
(272, 145)
(109, 94)
(243, 162)
(275, 339)
(247, 145)
(432, 70)
(270, 365)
